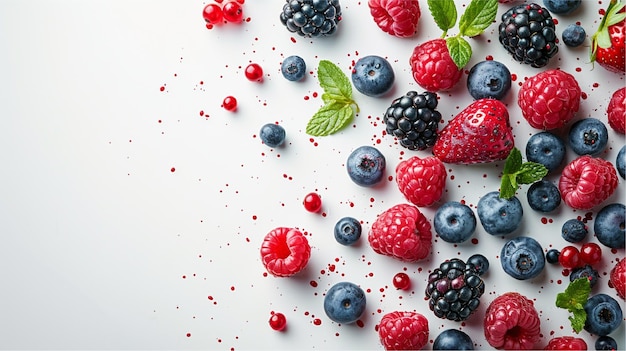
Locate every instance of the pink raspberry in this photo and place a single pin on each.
(549, 99)
(616, 111)
(587, 181)
(432, 66)
(618, 278)
(403, 331)
(285, 252)
(421, 180)
(402, 232)
(396, 17)
(512, 322)
(566, 343)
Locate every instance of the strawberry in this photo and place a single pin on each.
(403, 331)
(618, 277)
(478, 134)
(512, 322)
(566, 343)
(396, 17)
(285, 251)
(421, 180)
(587, 181)
(616, 111)
(607, 44)
(432, 66)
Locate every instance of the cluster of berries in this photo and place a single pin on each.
(219, 12)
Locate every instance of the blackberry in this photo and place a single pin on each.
(528, 33)
(311, 18)
(413, 120)
(454, 290)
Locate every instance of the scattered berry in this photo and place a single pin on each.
(605, 343)
(396, 17)
(574, 35)
(616, 111)
(489, 79)
(453, 339)
(233, 11)
(618, 277)
(454, 222)
(401, 281)
(278, 321)
(432, 66)
(547, 149)
(585, 271)
(512, 322)
(311, 18)
(497, 215)
(543, 196)
(366, 166)
(587, 181)
(229, 103)
(285, 251)
(347, 231)
(609, 225)
(312, 202)
(254, 72)
(574, 230)
(522, 258)
(588, 136)
(591, 253)
(293, 68)
(562, 7)
(566, 343)
(403, 331)
(413, 120)
(479, 262)
(344, 302)
(620, 162)
(421, 180)
(272, 134)
(213, 14)
(552, 256)
(604, 314)
(373, 76)
(608, 43)
(569, 257)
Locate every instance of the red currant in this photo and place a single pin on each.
(229, 103)
(213, 14)
(254, 72)
(278, 321)
(233, 12)
(590, 253)
(570, 257)
(401, 281)
(312, 202)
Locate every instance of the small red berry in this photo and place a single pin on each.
(570, 257)
(233, 12)
(312, 202)
(401, 281)
(591, 253)
(229, 103)
(254, 72)
(213, 14)
(278, 321)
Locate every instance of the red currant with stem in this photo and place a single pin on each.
(213, 14)
(233, 12)
(401, 281)
(278, 321)
(570, 257)
(254, 72)
(229, 103)
(591, 253)
(312, 202)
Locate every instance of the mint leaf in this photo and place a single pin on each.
(508, 186)
(330, 118)
(460, 50)
(478, 15)
(531, 172)
(573, 299)
(335, 83)
(578, 319)
(513, 162)
(444, 13)
(515, 172)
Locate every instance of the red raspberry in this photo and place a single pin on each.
(587, 181)
(402, 232)
(285, 251)
(617, 111)
(618, 277)
(433, 67)
(396, 17)
(421, 180)
(403, 331)
(549, 99)
(512, 322)
(566, 343)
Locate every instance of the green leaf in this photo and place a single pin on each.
(335, 83)
(460, 50)
(578, 319)
(507, 186)
(478, 15)
(603, 39)
(531, 172)
(573, 299)
(513, 162)
(444, 13)
(330, 118)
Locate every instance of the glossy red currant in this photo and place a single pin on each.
(570, 257)
(312, 202)
(590, 253)
(254, 72)
(213, 14)
(278, 321)
(229, 103)
(401, 281)
(233, 11)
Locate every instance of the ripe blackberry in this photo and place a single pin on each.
(412, 119)
(528, 33)
(454, 290)
(311, 18)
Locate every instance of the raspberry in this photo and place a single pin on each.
(396, 17)
(512, 322)
(432, 66)
(587, 181)
(618, 277)
(421, 180)
(285, 251)
(403, 331)
(617, 111)
(549, 99)
(401, 232)
(566, 343)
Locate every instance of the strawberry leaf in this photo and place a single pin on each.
(478, 15)
(460, 50)
(444, 13)
(330, 118)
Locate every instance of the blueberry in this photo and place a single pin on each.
(588, 136)
(562, 7)
(522, 258)
(543, 196)
(344, 302)
(574, 35)
(347, 231)
(489, 79)
(373, 76)
(453, 339)
(479, 262)
(609, 225)
(454, 222)
(605, 343)
(552, 256)
(272, 135)
(547, 149)
(293, 68)
(366, 166)
(497, 215)
(574, 230)
(620, 162)
(587, 272)
(604, 314)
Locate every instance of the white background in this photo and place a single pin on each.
(105, 246)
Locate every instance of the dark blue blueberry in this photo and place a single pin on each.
(609, 225)
(489, 79)
(453, 339)
(574, 35)
(587, 272)
(574, 230)
(522, 258)
(366, 166)
(604, 314)
(497, 215)
(547, 149)
(272, 135)
(543, 196)
(620, 162)
(454, 222)
(344, 302)
(293, 68)
(479, 262)
(347, 231)
(552, 256)
(588, 136)
(562, 7)
(605, 343)
(373, 76)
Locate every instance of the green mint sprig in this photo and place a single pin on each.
(478, 15)
(339, 107)
(517, 172)
(573, 299)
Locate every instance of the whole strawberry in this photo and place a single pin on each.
(616, 110)
(549, 99)
(587, 181)
(478, 134)
(396, 17)
(618, 277)
(432, 66)
(403, 331)
(401, 232)
(512, 322)
(566, 343)
(285, 251)
(421, 180)
(607, 44)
